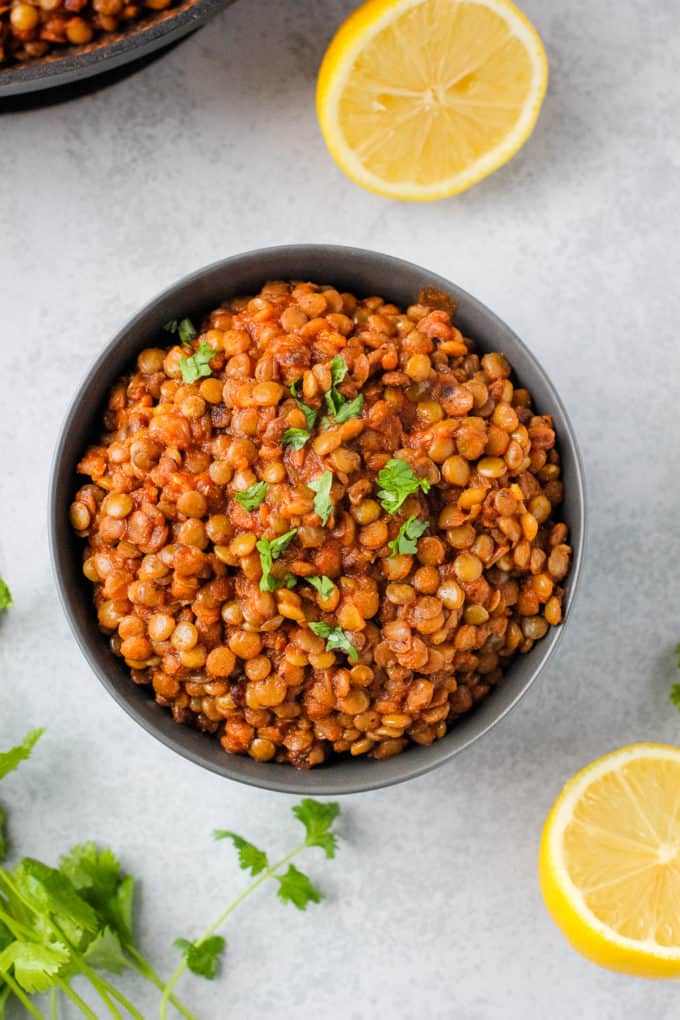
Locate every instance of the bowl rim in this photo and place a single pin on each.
(282, 778)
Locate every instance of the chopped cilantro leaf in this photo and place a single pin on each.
(406, 541)
(198, 365)
(323, 585)
(295, 888)
(251, 497)
(397, 482)
(295, 438)
(323, 504)
(335, 638)
(270, 551)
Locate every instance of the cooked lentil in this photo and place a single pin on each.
(403, 643)
(30, 29)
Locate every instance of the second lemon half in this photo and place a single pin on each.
(420, 99)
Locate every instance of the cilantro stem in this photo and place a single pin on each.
(182, 965)
(54, 1009)
(74, 997)
(143, 967)
(22, 997)
(102, 986)
(105, 989)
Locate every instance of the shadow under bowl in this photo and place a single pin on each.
(363, 273)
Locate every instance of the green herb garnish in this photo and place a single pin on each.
(349, 409)
(318, 819)
(253, 496)
(295, 438)
(67, 922)
(406, 541)
(294, 887)
(187, 332)
(249, 857)
(338, 370)
(198, 365)
(76, 921)
(270, 551)
(10, 760)
(397, 482)
(334, 399)
(338, 406)
(323, 585)
(184, 328)
(203, 958)
(5, 596)
(323, 504)
(309, 412)
(335, 638)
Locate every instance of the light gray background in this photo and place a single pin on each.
(433, 905)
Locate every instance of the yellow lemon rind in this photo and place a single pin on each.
(587, 934)
(345, 46)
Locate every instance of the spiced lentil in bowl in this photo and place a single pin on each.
(319, 524)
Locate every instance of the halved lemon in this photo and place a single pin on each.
(610, 861)
(420, 99)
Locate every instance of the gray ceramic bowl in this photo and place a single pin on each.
(364, 273)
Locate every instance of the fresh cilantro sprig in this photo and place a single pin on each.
(5, 596)
(323, 504)
(295, 888)
(76, 920)
(202, 956)
(349, 409)
(397, 482)
(333, 397)
(10, 760)
(270, 550)
(323, 585)
(197, 366)
(309, 412)
(335, 638)
(58, 923)
(406, 542)
(203, 959)
(249, 857)
(253, 496)
(295, 438)
(184, 328)
(318, 819)
(338, 406)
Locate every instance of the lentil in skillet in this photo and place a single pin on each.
(323, 525)
(30, 29)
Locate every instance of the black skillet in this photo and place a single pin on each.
(66, 69)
